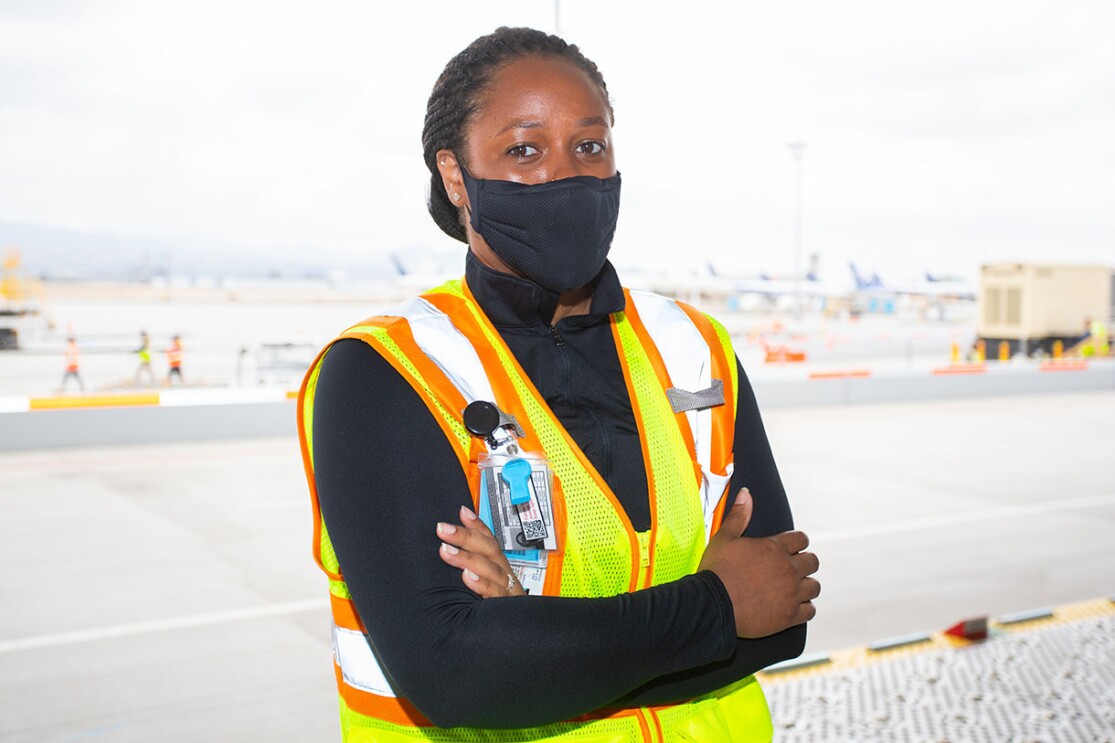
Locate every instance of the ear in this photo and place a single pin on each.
(451, 178)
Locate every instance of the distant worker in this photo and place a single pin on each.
(144, 353)
(1098, 331)
(174, 360)
(1095, 341)
(977, 354)
(72, 365)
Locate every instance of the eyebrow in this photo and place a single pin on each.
(521, 125)
(590, 121)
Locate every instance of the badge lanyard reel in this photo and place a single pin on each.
(516, 488)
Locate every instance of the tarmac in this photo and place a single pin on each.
(166, 591)
(1045, 675)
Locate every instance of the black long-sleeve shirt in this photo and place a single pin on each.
(386, 476)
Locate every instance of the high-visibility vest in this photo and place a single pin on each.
(174, 355)
(448, 350)
(71, 357)
(1098, 330)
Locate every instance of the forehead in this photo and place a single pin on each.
(541, 86)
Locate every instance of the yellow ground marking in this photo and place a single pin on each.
(93, 401)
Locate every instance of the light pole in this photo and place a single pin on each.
(797, 151)
(557, 17)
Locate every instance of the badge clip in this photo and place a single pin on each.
(498, 429)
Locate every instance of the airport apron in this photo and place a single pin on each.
(448, 350)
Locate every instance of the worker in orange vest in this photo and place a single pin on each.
(174, 360)
(72, 365)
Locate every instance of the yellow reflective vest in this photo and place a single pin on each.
(449, 352)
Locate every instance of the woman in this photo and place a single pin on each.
(645, 629)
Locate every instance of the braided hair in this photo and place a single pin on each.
(458, 94)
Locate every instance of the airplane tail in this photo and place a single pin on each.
(863, 284)
(860, 282)
(397, 262)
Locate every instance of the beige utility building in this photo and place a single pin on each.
(1033, 305)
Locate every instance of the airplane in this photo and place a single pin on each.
(710, 280)
(752, 291)
(791, 290)
(932, 287)
(422, 269)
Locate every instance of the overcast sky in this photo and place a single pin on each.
(939, 135)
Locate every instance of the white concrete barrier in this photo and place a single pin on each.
(173, 415)
(201, 414)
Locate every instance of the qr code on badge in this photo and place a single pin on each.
(534, 530)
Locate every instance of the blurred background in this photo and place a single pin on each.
(903, 214)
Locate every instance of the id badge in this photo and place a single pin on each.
(519, 501)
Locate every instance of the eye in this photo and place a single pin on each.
(592, 147)
(522, 151)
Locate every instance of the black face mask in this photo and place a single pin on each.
(556, 234)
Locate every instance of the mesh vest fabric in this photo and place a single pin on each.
(599, 554)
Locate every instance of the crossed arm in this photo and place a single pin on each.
(386, 477)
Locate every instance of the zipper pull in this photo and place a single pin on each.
(644, 548)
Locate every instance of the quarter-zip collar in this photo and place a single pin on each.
(514, 302)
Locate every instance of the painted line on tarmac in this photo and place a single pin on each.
(964, 517)
(158, 625)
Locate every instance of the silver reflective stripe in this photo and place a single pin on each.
(447, 347)
(682, 401)
(712, 490)
(688, 361)
(686, 356)
(359, 667)
(440, 340)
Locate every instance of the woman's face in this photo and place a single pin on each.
(542, 119)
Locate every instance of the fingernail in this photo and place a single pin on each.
(467, 513)
(449, 549)
(471, 575)
(443, 528)
(743, 493)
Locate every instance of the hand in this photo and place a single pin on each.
(484, 567)
(767, 579)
